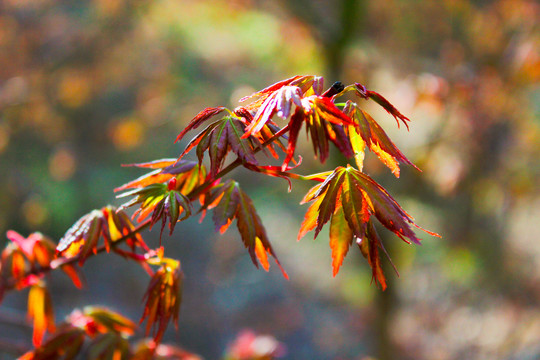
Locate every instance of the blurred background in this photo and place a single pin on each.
(88, 85)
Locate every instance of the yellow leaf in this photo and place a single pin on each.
(260, 251)
(358, 145)
(40, 310)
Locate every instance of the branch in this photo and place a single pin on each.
(10, 283)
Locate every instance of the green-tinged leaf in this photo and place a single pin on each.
(109, 346)
(112, 321)
(218, 146)
(221, 137)
(162, 202)
(188, 181)
(341, 238)
(354, 206)
(183, 204)
(247, 221)
(331, 197)
(202, 137)
(225, 211)
(349, 197)
(241, 147)
(358, 144)
(375, 138)
(167, 199)
(328, 111)
(174, 210)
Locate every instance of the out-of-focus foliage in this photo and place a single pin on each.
(85, 86)
(106, 336)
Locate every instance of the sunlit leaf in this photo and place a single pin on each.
(298, 80)
(221, 137)
(163, 298)
(41, 312)
(280, 103)
(324, 122)
(230, 202)
(374, 136)
(349, 198)
(82, 238)
(341, 238)
(369, 246)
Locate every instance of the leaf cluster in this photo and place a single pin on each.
(270, 123)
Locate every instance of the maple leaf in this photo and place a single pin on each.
(230, 202)
(199, 119)
(109, 346)
(304, 82)
(324, 122)
(65, 344)
(100, 320)
(219, 138)
(26, 255)
(163, 298)
(40, 311)
(368, 131)
(92, 322)
(348, 196)
(369, 246)
(164, 192)
(379, 99)
(82, 238)
(162, 200)
(279, 102)
(165, 169)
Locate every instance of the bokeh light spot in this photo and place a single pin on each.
(62, 164)
(127, 134)
(34, 211)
